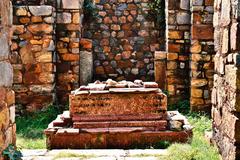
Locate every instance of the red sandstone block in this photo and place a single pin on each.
(144, 117)
(150, 85)
(118, 104)
(113, 139)
(209, 2)
(66, 117)
(86, 43)
(116, 130)
(68, 131)
(202, 32)
(174, 47)
(58, 122)
(156, 125)
(50, 131)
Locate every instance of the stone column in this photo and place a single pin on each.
(225, 94)
(86, 61)
(68, 34)
(202, 52)
(7, 97)
(178, 43)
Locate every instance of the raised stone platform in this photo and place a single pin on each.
(62, 134)
(111, 117)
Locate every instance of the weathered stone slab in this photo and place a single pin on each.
(73, 4)
(118, 104)
(86, 65)
(160, 73)
(40, 28)
(155, 125)
(4, 45)
(202, 32)
(183, 18)
(111, 139)
(97, 118)
(64, 18)
(42, 10)
(6, 74)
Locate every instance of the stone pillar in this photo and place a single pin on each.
(178, 43)
(225, 94)
(86, 61)
(7, 97)
(202, 52)
(33, 57)
(160, 65)
(68, 34)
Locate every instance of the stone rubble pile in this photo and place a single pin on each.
(106, 85)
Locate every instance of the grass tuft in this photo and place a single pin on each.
(198, 148)
(30, 128)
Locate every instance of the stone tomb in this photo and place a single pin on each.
(117, 118)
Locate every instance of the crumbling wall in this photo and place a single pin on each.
(7, 97)
(225, 94)
(45, 52)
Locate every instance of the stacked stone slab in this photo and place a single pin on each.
(33, 56)
(117, 118)
(68, 34)
(225, 96)
(177, 49)
(7, 97)
(124, 40)
(202, 53)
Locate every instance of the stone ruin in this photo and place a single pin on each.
(117, 115)
(55, 50)
(50, 50)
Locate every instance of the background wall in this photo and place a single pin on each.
(55, 50)
(124, 40)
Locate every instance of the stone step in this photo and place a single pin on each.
(119, 132)
(114, 138)
(157, 125)
(127, 117)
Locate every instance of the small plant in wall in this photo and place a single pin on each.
(11, 153)
(90, 10)
(157, 12)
